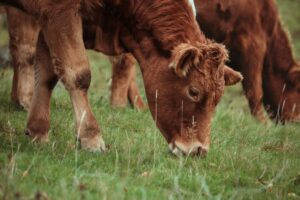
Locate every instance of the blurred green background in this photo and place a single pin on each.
(290, 13)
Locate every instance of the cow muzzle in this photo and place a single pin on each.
(190, 149)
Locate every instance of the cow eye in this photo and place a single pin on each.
(193, 94)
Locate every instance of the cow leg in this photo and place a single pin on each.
(64, 39)
(45, 80)
(14, 91)
(252, 85)
(250, 62)
(134, 96)
(124, 85)
(23, 32)
(120, 80)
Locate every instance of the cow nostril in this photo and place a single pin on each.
(188, 150)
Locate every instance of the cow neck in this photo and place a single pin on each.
(144, 53)
(280, 57)
(151, 31)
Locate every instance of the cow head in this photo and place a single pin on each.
(183, 96)
(282, 95)
(184, 73)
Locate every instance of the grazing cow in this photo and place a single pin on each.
(183, 72)
(260, 49)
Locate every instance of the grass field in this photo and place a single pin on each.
(247, 160)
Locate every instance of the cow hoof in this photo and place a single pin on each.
(39, 138)
(95, 144)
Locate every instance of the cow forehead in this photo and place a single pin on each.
(208, 78)
(192, 4)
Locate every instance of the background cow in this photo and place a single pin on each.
(260, 49)
(184, 73)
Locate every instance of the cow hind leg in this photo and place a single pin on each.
(124, 85)
(25, 83)
(134, 96)
(14, 91)
(23, 32)
(120, 80)
(23, 78)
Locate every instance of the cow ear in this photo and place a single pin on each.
(185, 56)
(294, 74)
(231, 77)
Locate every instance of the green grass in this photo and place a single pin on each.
(291, 17)
(247, 160)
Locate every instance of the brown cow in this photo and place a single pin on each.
(184, 73)
(260, 49)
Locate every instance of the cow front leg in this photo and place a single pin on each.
(124, 85)
(254, 94)
(45, 80)
(64, 39)
(250, 58)
(14, 91)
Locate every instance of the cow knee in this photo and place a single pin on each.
(23, 54)
(83, 79)
(73, 78)
(77, 80)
